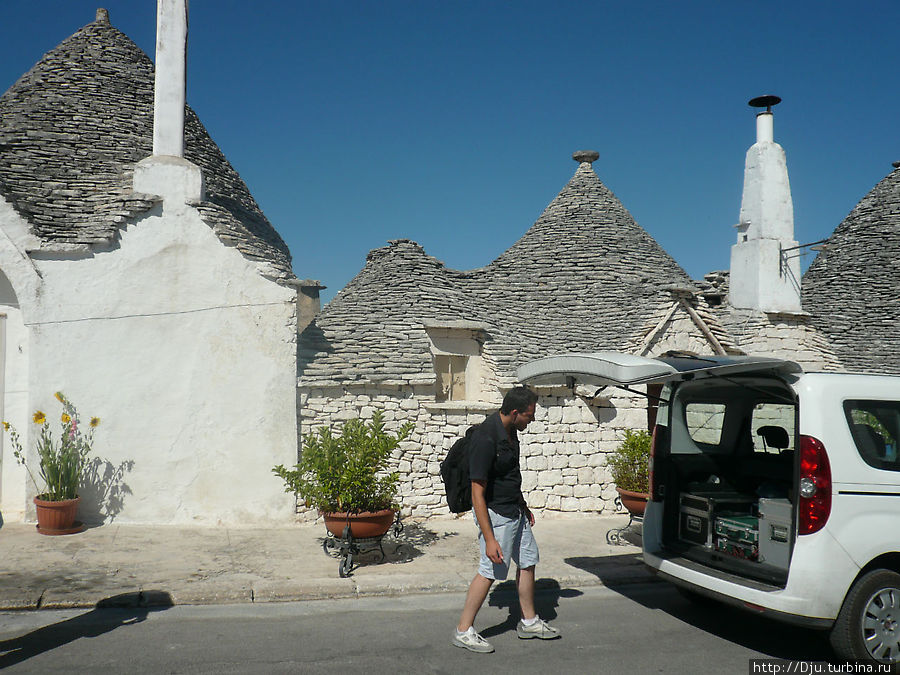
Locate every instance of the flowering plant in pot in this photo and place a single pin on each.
(345, 476)
(629, 465)
(62, 464)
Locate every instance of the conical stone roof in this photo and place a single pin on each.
(73, 127)
(585, 276)
(374, 328)
(852, 288)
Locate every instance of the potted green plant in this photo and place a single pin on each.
(629, 465)
(62, 466)
(345, 476)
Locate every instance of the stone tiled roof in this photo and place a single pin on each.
(584, 276)
(374, 328)
(72, 129)
(852, 288)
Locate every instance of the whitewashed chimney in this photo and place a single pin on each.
(166, 172)
(765, 268)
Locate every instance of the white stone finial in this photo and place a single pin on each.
(765, 272)
(166, 172)
(765, 127)
(170, 85)
(585, 156)
(765, 121)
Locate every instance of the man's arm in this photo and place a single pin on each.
(479, 505)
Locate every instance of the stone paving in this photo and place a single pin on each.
(152, 565)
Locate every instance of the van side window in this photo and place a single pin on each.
(875, 429)
(704, 422)
(773, 428)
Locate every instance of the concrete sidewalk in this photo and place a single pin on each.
(134, 564)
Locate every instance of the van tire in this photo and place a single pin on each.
(878, 591)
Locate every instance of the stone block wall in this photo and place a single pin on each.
(785, 336)
(563, 456)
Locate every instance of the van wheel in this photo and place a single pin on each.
(868, 625)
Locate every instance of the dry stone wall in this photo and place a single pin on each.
(786, 336)
(563, 452)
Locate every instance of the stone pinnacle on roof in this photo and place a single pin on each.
(72, 130)
(582, 156)
(102, 16)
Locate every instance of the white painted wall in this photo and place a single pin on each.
(15, 407)
(14, 375)
(187, 355)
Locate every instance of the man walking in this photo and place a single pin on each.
(503, 518)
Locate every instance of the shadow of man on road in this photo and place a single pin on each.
(110, 613)
(547, 593)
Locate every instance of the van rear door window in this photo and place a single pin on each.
(773, 428)
(704, 422)
(875, 428)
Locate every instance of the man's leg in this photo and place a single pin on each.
(525, 587)
(530, 625)
(478, 591)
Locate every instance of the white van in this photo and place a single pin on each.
(772, 489)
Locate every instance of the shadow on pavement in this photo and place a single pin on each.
(609, 568)
(773, 638)
(410, 544)
(109, 614)
(546, 600)
(402, 548)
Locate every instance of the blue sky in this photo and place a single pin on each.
(453, 123)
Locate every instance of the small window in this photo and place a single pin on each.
(773, 428)
(875, 428)
(653, 405)
(451, 377)
(456, 355)
(704, 422)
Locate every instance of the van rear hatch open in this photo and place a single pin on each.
(616, 368)
(724, 463)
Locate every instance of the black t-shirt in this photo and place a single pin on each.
(494, 458)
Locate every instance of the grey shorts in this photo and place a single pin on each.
(516, 541)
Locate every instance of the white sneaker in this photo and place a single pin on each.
(539, 629)
(472, 641)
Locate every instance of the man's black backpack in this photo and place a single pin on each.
(455, 472)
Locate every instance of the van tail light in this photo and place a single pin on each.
(814, 499)
(658, 434)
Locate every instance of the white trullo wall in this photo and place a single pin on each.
(186, 354)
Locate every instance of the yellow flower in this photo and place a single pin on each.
(59, 397)
(39, 417)
(65, 418)
(6, 425)
(95, 421)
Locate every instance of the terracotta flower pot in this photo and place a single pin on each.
(57, 517)
(634, 502)
(362, 525)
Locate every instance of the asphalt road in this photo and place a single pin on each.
(646, 628)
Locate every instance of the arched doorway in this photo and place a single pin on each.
(13, 398)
